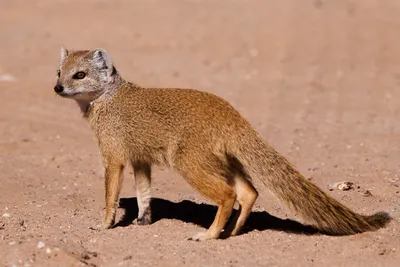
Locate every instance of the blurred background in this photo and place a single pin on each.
(315, 53)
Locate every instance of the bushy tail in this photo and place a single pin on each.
(261, 161)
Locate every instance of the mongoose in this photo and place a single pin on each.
(200, 136)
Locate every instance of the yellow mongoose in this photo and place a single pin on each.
(200, 136)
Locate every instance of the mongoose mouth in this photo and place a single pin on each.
(68, 94)
(60, 90)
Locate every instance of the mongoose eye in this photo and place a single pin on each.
(58, 73)
(79, 75)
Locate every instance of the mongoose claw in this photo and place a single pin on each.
(201, 237)
(142, 221)
(145, 219)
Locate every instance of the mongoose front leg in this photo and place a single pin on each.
(113, 181)
(143, 181)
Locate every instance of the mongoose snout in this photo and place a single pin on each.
(58, 88)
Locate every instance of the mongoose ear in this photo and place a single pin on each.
(102, 62)
(64, 54)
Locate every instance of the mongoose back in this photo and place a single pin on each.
(200, 136)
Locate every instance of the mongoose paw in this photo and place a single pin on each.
(229, 233)
(142, 221)
(202, 237)
(145, 219)
(100, 227)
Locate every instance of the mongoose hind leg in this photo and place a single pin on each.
(216, 189)
(246, 197)
(224, 211)
(142, 173)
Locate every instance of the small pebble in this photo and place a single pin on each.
(344, 186)
(41, 245)
(128, 258)
(6, 215)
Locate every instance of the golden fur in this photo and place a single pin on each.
(200, 136)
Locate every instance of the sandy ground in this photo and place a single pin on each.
(318, 79)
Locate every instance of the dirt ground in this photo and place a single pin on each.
(320, 80)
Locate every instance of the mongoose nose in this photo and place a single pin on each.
(58, 88)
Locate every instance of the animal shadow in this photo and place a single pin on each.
(203, 215)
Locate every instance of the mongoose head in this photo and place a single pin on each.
(84, 75)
